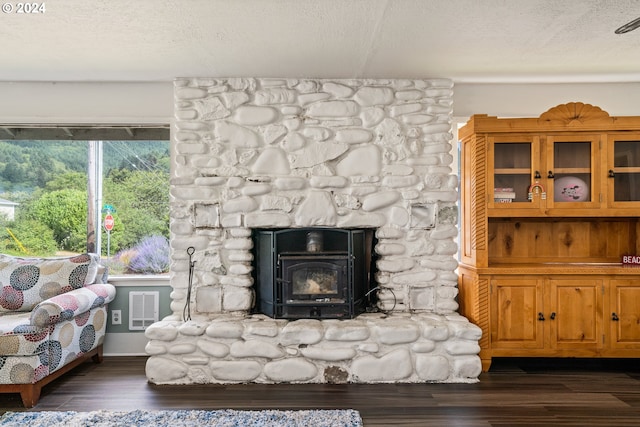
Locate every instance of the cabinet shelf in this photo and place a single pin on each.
(627, 169)
(560, 269)
(569, 171)
(513, 171)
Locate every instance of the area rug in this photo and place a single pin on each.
(184, 418)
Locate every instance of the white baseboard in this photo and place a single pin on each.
(125, 344)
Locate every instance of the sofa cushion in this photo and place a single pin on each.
(25, 282)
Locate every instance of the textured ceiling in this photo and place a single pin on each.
(465, 40)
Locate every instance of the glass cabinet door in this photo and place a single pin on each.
(623, 170)
(571, 174)
(513, 169)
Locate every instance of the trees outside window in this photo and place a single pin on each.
(51, 182)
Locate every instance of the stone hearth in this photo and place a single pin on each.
(287, 153)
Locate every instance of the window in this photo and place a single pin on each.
(58, 184)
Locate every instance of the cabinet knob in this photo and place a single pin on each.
(612, 174)
(550, 175)
(541, 317)
(537, 175)
(553, 315)
(614, 317)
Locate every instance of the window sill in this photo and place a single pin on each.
(140, 280)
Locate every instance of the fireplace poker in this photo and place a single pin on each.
(186, 312)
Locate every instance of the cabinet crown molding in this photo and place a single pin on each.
(574, 113)
(569, 117)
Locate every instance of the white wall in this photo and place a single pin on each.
(86, 103)
(152, 103)
(520, 100)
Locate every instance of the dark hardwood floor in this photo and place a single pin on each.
(515, 392)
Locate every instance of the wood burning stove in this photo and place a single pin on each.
(312, 273)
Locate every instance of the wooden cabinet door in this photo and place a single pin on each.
(516, 304)
(573, 165)
(624, 316)
(575, 311)
(623, 171)
(513, 168)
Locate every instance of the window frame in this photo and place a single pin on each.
(89, 133)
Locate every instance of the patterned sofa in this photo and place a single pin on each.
(53, 316)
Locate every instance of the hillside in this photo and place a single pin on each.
(28, 165)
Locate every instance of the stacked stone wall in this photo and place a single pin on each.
(282, 153)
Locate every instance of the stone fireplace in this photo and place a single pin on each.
(307, 154)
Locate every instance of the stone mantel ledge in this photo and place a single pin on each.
(372, 348)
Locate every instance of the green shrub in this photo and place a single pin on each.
(32, 236)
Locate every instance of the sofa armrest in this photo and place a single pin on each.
(70, 304)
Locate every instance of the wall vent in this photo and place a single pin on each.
(143, 310)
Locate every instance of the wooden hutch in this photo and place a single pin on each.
(549, 208)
